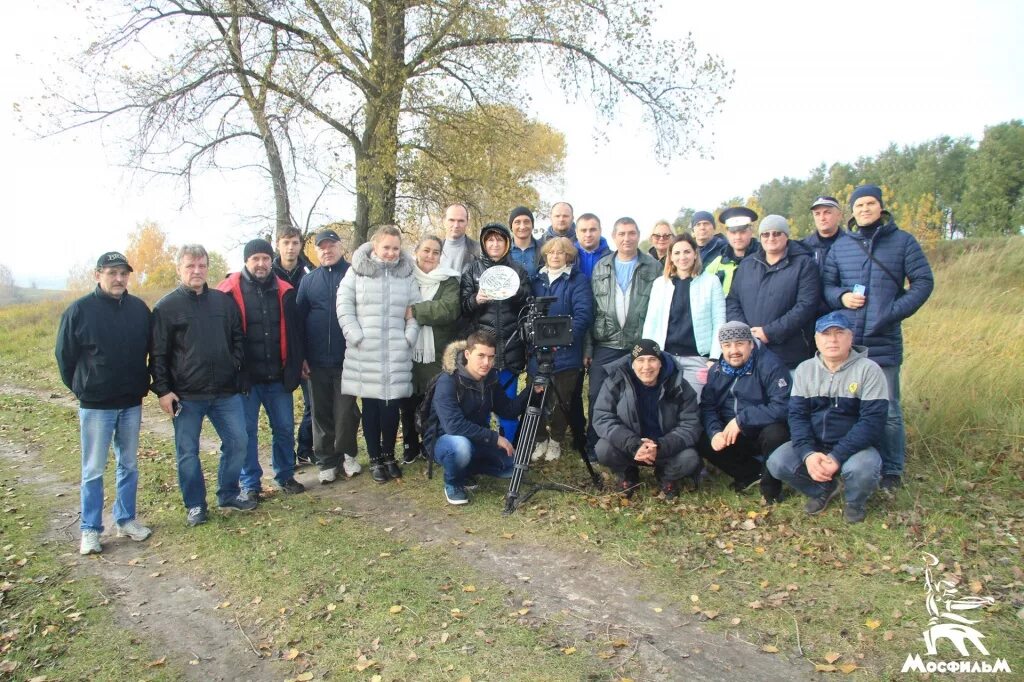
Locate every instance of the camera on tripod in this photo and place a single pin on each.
(544, 332)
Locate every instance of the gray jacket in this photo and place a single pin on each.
(372, 300)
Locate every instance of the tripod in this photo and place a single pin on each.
(533, 419)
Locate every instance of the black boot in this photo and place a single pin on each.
(379, 470)
(392, 466)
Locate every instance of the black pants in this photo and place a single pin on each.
(577, 419)
(670, 466)
(603, 356)
(335, 417)
(744, 460)
(380, 426)
(410, 437)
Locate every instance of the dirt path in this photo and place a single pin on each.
(587, 595)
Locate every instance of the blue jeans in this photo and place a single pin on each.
(460, 458)
(98, 429)
(894, 446)
(305, 436)
(228, 418)
(280, 412)
(860, 474)
(511, 383)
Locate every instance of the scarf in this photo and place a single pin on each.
(429, 282)
(554, 274)
(731, 371)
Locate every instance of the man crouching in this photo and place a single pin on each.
(646, 415)
(458, 432)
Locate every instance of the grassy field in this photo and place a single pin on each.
(843, 596)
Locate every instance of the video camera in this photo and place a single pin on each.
(541, 331)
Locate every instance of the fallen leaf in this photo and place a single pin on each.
(832, 657)
(469, 588)
(605, 655)
(304, 677)
(364, 663)
(508, 536)
(770, 649)
(256, 600)
(658, 609)
(976, 586)
(395, 609)
(710, 615)
(157, 663)
(569, 650)
(756, 604)
(847, 668)
(694, 598)
(888, 635)
(523, 612)
(824, 668)
(584, 537)
(444, 637)
(8, 666)
(155, 574)
(291, 655)
(332, 607)
(735, 621)
(714, 587)
(872, 624)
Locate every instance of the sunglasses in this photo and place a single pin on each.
(771, 235)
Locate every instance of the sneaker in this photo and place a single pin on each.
(539, 451)
(90, 543)
(554, 451)
(671, 490)
(250, 495)
(854, 514)
(196, 516)
(743, 484)
(471, 483)
(303, 458)
(410, 453)
(455, 494)
(891, 482)
(816, 505)
(628, 483)
(292, 487)
(327, 475)
(351, 466)
(239, 504)
(134, 530)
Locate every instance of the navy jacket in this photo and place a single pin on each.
(877, 325)
(756, 399)
(714, 248)
(318, 315)
(575, 298)
(783, 298)
(819, 248)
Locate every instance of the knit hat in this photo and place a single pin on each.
(773, 223)
(833, 319)
(734, 331)
(700, 216)
(646, 347)
(520, 211)
(257, 246)
(867, 191)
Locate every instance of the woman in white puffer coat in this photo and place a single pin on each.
(374, 302)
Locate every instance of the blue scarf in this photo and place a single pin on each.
(731, 371)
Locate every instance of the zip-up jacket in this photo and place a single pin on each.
(713, 249)
(575, 299)
(294, 276)
(723, 266)
(756, 399)
(318, 314)
(606, 330)
(587, 259)
(707, 311)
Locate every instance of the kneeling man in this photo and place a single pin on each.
(837, 416)
(646, 415)
(458, 433)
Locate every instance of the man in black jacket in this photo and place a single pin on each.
(101, 353)
(273, 362)
(196, 357)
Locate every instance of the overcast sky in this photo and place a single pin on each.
(814, 82)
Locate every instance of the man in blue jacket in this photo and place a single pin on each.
(101, 351)
(864, 276)
(335, 416)
(458, 433)
(743, 409)
(837, 420)
(711, 243)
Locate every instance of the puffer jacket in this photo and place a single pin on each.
(782, 298)
(606, 330)
(500, 317)
(723, 266)
(713, 249)
(372, 300)
(756, 399)
(440, 314)
(318, 313)
(877, 325)
(617, 420)
(572, 289)
(707, 309)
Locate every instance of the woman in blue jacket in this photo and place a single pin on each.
(560, 278)
(685, 311)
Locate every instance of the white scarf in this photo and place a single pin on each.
(429, 283)
(555, 274)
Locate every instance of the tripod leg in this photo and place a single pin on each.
(526, 439)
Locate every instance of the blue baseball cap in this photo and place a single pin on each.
(833, 319)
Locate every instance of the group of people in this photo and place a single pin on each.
(773, 359)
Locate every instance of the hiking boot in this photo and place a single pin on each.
(410, 453)
(327, 475)
(240, 503)
(90, 542)
(554, 451)
(394, 471)
(852, 514)
(455, 494)
(134, 530)
(743, 484)
(891, 482)
(539, 451)
(196, 516)
(816, 505)
(351, 466)
(292, 487)
(379, 470)
(671, 490)
(771, 489)
(628, 482)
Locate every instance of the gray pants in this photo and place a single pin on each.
(335, 417)
(670, 466)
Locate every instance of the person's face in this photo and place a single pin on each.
(588, 232)
(561, 217)
(646, 368)
(683, 257)
(522, 228)
(113, 280)
(736, 353)
(428, 255)
(626, 238)
(455, 221)
(740, 240)
(289, 248)
(479, 360)
(703, 232)
(494, 246)
(866, 210)
(192, 271)
(258, 265)
(556, 259)
(834, 343)
(774, 242)
(329, 252)
(826, 220)
(387, 248)
(660, 237)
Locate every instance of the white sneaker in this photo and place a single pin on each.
(539, 451)
(328, 475)
(554, 451)
(134, 530)
(90, 542)
(351, 466)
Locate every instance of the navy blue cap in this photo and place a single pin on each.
(833, 319)
(324, 235)
(701, 215)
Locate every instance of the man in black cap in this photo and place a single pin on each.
(646, 415)
(739, 225)
(101, 352)
(273, 362)
(335, 416)
(711, 243)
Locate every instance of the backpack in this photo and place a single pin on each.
(422, 414)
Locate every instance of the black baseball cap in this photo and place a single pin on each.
(112, 259)
(324, 235)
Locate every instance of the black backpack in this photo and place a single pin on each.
(422, 416)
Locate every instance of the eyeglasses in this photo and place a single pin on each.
(771, 235)
(658, 235)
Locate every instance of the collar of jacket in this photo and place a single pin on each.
(103, 296)
(856, 353)
(189, 291)
(887, 226)
(729, 256)
(364, 264)
(269, 284)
